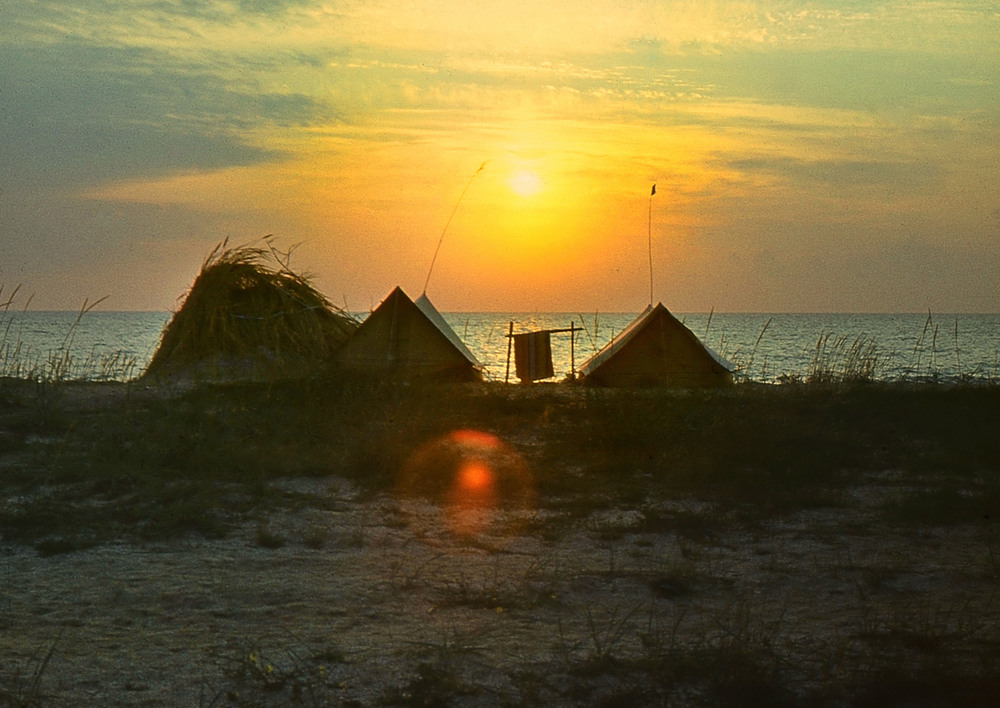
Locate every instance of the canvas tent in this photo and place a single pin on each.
(656, 349)
(410, 340)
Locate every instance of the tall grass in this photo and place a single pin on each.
(843, 360)
(63, 363)
(938, 353)
(742, 360)
(921, 347)
(10, 346)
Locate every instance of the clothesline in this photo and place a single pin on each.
(533, 353)
(571, 328)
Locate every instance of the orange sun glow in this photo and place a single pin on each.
(526, 184)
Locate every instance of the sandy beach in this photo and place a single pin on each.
(339, 593)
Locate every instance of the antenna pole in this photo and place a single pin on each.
(649, 237)
(448, 223)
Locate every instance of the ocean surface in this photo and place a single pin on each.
(764, 347)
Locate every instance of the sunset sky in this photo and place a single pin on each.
(808, 156)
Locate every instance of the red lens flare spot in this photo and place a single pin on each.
(475, 477)
(478, 481)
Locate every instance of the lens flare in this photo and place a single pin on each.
(478, 481)
(475, 478)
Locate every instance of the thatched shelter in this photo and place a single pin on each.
(249, 316)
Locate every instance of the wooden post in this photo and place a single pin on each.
(510, 340)
(572, 351)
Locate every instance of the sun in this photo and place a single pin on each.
(526, 184)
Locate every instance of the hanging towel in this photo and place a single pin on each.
(533, 356)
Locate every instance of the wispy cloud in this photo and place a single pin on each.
(77, 113)
(900, 177)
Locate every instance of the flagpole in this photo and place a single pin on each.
(649, 235)
(448, 223)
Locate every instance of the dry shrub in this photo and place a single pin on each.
(249, 316)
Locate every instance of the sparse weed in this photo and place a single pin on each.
(606, 635)
(503, 589)
(23, 687)
(687, 472)
(316, 534)
(296, 675)
(407, 575)
(992, 555)
(268, 536)
(435, 683)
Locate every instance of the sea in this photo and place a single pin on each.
(768, 348)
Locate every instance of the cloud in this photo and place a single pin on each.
(78, 114)
(884, 80)
(901, 177)
(356, 122)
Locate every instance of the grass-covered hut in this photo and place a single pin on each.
(249, 316)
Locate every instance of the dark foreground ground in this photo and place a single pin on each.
(338, 543)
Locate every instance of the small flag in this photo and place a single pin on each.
(654, 191)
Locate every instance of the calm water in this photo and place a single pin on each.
(118, 345)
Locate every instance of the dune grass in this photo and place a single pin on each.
(193, 461)
(65, 362)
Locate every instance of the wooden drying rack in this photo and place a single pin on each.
(572, 330)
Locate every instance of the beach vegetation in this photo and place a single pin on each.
(21, 682)
(845, 360)
(705, 481)
(61, 364)
(198, 459)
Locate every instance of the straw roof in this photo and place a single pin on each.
(248, 315)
